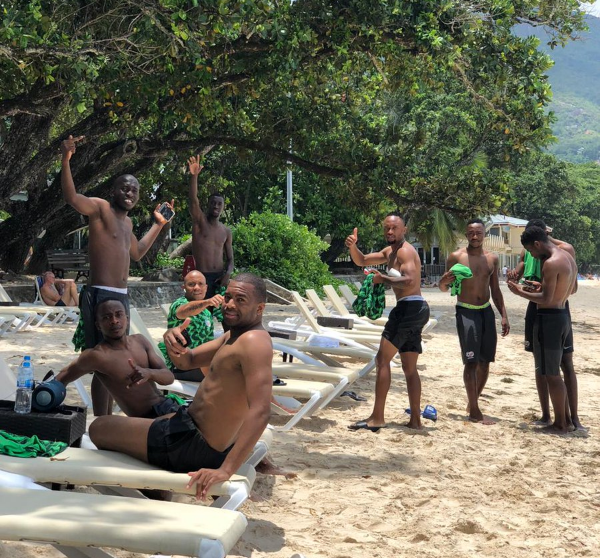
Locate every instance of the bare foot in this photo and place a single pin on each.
(414, 424)
(482, 420)
(542, 421)
(267, 467)
(554, 429)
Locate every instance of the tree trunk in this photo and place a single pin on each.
(182, 250)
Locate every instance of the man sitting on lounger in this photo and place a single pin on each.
(231, 409)
(192, 305)
(58, 292)
(127, 365)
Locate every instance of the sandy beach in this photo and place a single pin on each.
(453, 489)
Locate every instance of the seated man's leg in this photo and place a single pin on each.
(125, 434)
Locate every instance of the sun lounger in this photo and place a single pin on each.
(73, 522)
(114, 472)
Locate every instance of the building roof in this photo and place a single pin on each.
(506, 220)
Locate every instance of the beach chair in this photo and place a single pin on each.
(112, 472)
(63, 313)
(79, 525)
(15, 319)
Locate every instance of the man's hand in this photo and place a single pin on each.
(69, 146)
(194, 165)
(378, 278)
(215, 301)
(514, 288)
(174, 339)
(512, 275)
(352, 239)
(139, 375)
(158, 216)
(204, 479)
(447, 278)
(505, 327)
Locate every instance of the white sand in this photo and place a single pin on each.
(456, 489)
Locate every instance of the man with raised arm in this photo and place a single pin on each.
(211, 239)
(111, 246)
(475, 320)
(552, 323)
(402, 333)
(530, 269)
(231, 409)
(127, 365)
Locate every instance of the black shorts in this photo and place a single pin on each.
(165, 407)
(530, 317)
(550, 333)
(176, 444)
(477, 334)
(404, 326)
(212, 282)
(60, 303)
(88, 302)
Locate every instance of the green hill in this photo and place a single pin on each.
(575, 80)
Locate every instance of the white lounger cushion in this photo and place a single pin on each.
(81, 520)
(109, 468)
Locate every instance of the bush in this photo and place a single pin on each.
(273, 247)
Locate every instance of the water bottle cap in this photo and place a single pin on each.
(26, 357)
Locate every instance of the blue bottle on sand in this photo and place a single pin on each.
(24, 387)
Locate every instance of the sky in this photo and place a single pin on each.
(592, 8)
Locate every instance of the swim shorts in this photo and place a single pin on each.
(550, 333)
(406, 321)
(88, 301)
(165, 407)
(176, 444)
(476, 329)
(530, 317)
(60, 303)
(212, 283)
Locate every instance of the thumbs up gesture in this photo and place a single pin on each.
(174, 339)
(352, 239)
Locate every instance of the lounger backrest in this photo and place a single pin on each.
(317, 303)
(4, 295)
(137, 325)
(347, 294)
(335, 300)
(305, 311)
(8, 382)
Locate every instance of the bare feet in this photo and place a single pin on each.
(267, 467)
(556, 429)
(542, 421)
(414, 424)
(480, 419)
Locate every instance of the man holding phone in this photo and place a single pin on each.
(211, 239)
(402, 333)
(111, 247)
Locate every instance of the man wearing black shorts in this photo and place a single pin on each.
(402, 333)
(552, 325)
(231, 408)
(475, 319)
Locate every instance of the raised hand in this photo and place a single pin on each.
(352, 239)
(138, 375)
(69, 146)
(216, 300)
(158, 216)
(194, 165)
(174, 339)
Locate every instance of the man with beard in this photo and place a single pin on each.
(127, 365)
(475, 320)
(402, 333)
(231, 408)
(111, 245)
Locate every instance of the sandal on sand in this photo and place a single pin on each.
(429, 412)
(362, 425)
(353, 395)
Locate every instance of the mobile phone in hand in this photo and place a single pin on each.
(166, 211)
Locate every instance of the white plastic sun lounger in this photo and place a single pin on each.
(113, 472)
(78, 525)
(45, 314)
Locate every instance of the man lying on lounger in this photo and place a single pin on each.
(127, 365)
(231, 409)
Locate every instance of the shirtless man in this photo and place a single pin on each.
(552, 323)
(530, 269)
(231, 408)
(127, 365)
(210, 238)
(402, 333)
(111, 245)
(475, 320)
(58, 292)
(195, 306)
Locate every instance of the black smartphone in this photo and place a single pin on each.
(166, 211)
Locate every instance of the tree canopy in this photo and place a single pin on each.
(424, 104)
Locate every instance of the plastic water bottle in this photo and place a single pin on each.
(24, 387)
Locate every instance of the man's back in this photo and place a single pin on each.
(559, 273)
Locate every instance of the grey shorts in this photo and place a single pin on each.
(530, 317)
(176, 444)
(477, 334)
(550, 333)
(404, 326)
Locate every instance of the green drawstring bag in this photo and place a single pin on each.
(23, 446)
(461, 272)
(370, 300)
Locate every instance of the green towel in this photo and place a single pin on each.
(461, 272)
(370, 300)
(179, 400)
(23, 446)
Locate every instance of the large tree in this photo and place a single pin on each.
(362, 91)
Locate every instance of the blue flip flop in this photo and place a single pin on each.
(429, 412)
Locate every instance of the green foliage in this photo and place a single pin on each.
(273, 247)
(163, 261)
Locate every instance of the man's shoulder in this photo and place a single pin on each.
(257, 337)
